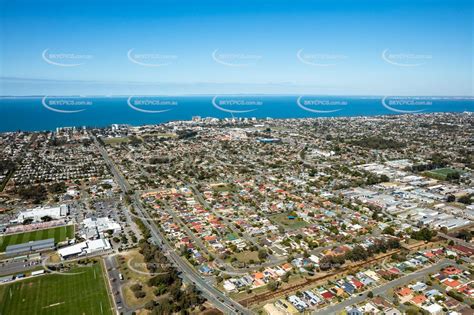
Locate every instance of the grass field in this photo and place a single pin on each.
(84, 293)
(283, 220)
(115, 140)
(246, 256)
(221, 187)
(440, 173)
(59, 234)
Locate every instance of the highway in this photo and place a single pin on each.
(216, 297)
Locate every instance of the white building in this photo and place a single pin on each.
(84, 248)
(94, 226)
(434, 309)
(229, 286)
(36, 214)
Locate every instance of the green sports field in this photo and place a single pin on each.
(84, 293)
(440, 173)
(59, 234)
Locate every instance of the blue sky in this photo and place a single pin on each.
(378, 47)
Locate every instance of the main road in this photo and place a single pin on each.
(216, 297)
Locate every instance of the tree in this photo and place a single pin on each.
(357, 254)
(35, 193)
(173, 297)
(376, 215)
(139, 294)
(150, 305)
(370, 294)
(384, 178)
(46, 218)
(57, 188)
(136, 287)
(453, 176)
(456, 295)
(262, 253)
(425, 234)
(272, 285)
(411, 311)
(466, 199)
(27, 221)
(465, 235)
(389, 230)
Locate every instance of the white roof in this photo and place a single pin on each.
(87, 246)
(101, 224)
(98, 244)
(433, 308)
(39, 212)
(229, 286)
(72, 250)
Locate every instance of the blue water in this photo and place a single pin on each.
(31, 114)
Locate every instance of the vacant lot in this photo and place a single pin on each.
(82, 293)
(247, 256)
(60, 233)
(288, 221)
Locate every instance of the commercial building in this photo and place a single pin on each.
(84, 248)
(36, 214)
(93, 227)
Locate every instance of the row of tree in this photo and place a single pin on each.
(358, 253)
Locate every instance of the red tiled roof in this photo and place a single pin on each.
(327, 295)
(404, 291)
(357, 283)
(463, 249)
(258, 275)
(451, 270)
(452, 283)
(429, 254)
(419, 299)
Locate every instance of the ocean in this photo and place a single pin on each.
(38, 113)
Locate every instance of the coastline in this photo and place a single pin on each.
(49, 113)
